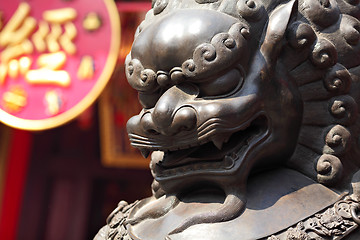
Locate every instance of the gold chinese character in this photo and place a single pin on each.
(53, 102)
(58, 18)
(24, 65)
(19, 27)
(15, 51)
(15, 33)
(49, 72)
(56, 32)
(53, 37)
(92, 21)
(14, 39)
(38, 38)
(14, 99)
(13, 68)
(86, 68)
(67, 38)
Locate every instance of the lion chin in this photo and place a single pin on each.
(230, 93)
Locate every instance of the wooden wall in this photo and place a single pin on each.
(68, 193)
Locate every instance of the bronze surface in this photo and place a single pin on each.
(250, 115)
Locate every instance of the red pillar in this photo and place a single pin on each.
(15, 176)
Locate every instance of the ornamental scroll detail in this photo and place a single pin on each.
(334, 222)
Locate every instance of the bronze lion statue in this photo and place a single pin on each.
(250, 114)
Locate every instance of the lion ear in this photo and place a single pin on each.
(278, 22)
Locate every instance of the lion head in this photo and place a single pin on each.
(233, 87)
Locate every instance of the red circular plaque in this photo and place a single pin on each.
(55, 59)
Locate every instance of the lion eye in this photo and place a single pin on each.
(221, 86)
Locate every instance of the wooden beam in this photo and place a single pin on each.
(15, 175)
(4, 140)
(133, 6)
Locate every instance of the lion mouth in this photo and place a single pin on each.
(210, 156)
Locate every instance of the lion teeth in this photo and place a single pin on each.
(229, 162)
(157, 156)
(218, 142)
(144, 152)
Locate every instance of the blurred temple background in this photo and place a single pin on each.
(62, 183)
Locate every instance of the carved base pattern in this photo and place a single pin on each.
(334, 222)
(116, 222)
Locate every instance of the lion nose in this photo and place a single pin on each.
(172, 113)
(183, 120)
